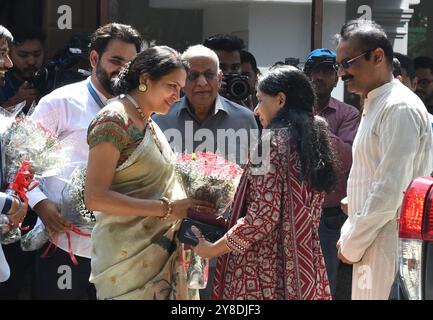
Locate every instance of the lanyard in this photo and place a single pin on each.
(2, 177)
(95, 95)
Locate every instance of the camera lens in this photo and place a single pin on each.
(239, 88)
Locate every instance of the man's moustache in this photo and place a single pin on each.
(346, 77)
(30, 69)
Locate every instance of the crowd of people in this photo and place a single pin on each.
(319, 223)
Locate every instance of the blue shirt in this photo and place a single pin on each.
(230, 130)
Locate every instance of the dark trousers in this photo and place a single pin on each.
(57, 278)
(20, 285)
(331, 221)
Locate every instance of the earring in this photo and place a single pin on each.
(142, 87)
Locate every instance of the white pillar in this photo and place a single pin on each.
(394, 16)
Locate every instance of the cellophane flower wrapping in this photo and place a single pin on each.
(72, 208)
(26, 140)
(209, 177)
(8, 235)
(197, 269)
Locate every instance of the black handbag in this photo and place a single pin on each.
(211, 228)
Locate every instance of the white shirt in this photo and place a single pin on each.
(5, 272)
(393, 145)
(67, 112)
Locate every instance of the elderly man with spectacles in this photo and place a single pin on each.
(392, 146)
(203, 120)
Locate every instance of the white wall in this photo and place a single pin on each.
(278, 31)
(334, 16)
(235, 19)
(274, 31)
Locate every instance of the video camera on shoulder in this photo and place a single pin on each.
(237, 87)
(70, 65)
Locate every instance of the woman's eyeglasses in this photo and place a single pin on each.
(345, 64)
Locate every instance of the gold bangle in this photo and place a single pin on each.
(168, 208)
(228, 248)
(226, 242)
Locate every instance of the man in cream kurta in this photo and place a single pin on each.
(392, 146)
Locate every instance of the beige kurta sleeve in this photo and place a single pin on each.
(399, 131)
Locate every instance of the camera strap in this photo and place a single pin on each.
(95, 95)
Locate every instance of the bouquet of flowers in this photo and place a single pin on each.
(24, 141)
(22, 183)
(209, 177)
(72, 208)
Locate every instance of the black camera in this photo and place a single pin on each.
(237, 87)
(70, 65)
(40, 80)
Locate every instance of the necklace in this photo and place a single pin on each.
(148, 123)
(140, 112)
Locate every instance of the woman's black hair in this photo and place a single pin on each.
(156, 61)
(309, 135)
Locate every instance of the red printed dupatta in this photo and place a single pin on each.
(237, 211)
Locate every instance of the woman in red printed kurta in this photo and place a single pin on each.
(273, 245)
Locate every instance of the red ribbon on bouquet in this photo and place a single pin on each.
(23, 182)
(53, 244)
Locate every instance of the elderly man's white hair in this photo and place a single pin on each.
(200, 51)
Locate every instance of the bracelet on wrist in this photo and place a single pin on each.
(168, 208)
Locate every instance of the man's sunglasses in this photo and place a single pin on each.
(346, 64)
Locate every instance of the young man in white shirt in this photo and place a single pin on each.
(67, 112)
(390, 149)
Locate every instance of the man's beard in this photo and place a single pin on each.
(322, 92)
(26, 74)
(104, 79)
(428, 100)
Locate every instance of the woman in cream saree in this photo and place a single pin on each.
(132, 187)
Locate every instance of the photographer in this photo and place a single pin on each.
(27, 55)
(249, 69)
(234, 86)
